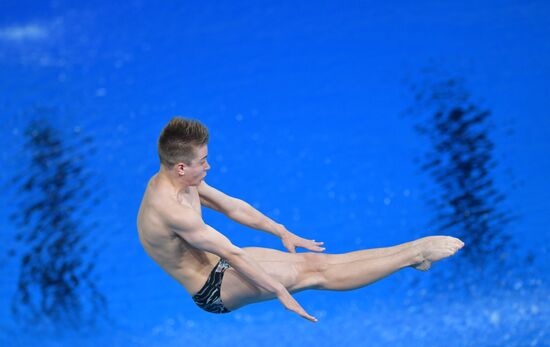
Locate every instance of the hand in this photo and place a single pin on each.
(291, 241)
(290, 304)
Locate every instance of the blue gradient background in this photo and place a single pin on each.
(304, 103)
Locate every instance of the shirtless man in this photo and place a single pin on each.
(173, 233)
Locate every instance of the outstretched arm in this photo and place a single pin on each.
(193, 230)
(243, 213)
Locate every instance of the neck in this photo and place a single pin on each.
(172, 180)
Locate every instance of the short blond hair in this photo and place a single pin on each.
(179, 139)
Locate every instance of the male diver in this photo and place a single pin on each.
(222, 277)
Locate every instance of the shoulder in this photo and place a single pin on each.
(209, 192)
(172, 213)
(216, 199)
(181, 218)
(204, 188)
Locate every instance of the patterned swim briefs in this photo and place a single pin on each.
(208, 298)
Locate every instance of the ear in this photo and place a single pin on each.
(180, 169)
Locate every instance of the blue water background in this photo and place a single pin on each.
(304, 105)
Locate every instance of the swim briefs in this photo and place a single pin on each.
(208, 298)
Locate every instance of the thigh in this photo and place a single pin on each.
(270, 254)
(290, 269)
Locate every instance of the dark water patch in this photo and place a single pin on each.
(465, 200)
(54, 194)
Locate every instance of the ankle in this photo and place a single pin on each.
(415, 256)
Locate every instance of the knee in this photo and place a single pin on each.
(312, 257)
(317, 265)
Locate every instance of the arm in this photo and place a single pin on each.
(245, 214)
(192, 229)
(242, 212)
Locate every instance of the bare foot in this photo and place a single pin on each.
(418, 241)
(421, 265)
(434, 248)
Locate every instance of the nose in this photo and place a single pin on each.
(207, 166)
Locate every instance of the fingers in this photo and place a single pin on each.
(316, 246)
(317, 249)
(291, 304)
(310, 318)
(304, 314)
(312, 245)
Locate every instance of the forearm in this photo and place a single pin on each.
(247, 266)
(247, 215)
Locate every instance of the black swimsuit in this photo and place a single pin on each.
(208, 298)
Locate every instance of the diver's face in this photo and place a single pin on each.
(196, 171)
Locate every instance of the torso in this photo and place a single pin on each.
(186, 264)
